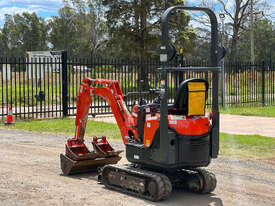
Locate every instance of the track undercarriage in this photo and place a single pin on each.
(155, 186)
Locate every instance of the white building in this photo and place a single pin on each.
(40, 62)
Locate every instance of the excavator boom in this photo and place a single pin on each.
(78, 158)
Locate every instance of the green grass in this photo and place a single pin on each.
(268, 111)
(241, 146)
(247, 146)
(66, 126)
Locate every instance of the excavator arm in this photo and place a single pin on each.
(111, 92)
(78, 158)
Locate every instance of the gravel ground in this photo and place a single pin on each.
(30, 175)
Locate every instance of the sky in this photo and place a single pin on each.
(48, 8)
(43, 8)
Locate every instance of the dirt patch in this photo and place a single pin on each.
(237, 124)
(30, 175)
(269, 160)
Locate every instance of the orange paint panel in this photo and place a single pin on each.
(150, 127)
(184, 125)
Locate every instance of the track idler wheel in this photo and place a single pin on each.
(209, 181)
(197, 180)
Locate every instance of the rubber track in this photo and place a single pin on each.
(168, 186)
(210, 181)
(207, 179)
(163, 182)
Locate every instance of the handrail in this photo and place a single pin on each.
(214, 28)
(164, 54)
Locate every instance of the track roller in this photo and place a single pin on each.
(141, 183)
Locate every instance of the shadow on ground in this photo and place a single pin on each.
(89, 176)
(177, 198)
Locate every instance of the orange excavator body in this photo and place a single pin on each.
(184, 125)
(78, 158)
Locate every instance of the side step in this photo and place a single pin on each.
(70, 167)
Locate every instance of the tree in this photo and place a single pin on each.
(4, 42)
(62, 30)
(237, 19)
(265, 41)
(78, 28)
(202, 44)
(23, 33)
(134, 27)
(242, 15)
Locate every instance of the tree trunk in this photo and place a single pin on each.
(143, 29)
(143, 32)
(234, 43)
(236, 27)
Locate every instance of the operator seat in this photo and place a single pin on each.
(184, 102)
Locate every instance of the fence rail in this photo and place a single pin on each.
(48, 87)
(249, 84)
(32, 88)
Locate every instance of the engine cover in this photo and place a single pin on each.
(183, 125)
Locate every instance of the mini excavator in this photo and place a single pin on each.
(166, 144)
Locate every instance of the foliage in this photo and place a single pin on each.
(22, 33)
(237, 21)
(78, 29)
(202, 46)
(264, 38)
(62, 33)
(131, 30)
(134, 27)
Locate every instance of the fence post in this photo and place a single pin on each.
(64, 84)
(263, 83)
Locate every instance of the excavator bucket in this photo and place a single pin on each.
(71, 167)
(78, 159)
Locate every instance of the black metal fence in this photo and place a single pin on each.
(249, 84)
(48, 87)
(134, 77)
(33, 88)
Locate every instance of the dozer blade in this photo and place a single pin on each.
(70, 167)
